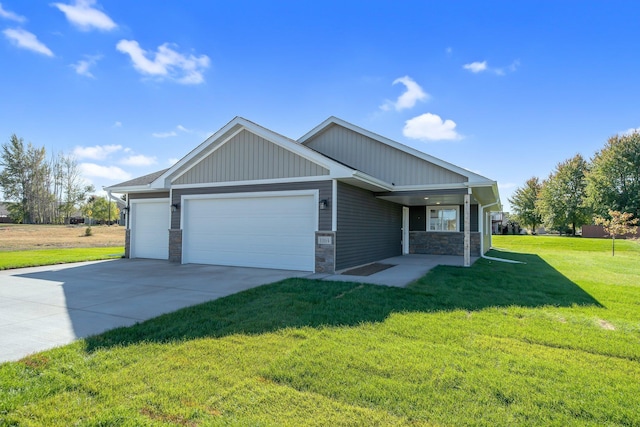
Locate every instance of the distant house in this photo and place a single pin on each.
(4, 213)
(339, 196)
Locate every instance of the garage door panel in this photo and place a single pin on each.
(150, 225)
(268, 232)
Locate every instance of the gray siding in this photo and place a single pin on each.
(379, 160)
(159, 195)
(369, 229)
(248, 157)
(473, 219)
(324, 187)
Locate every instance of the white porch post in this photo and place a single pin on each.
(467, 229)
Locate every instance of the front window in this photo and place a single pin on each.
(443, 218)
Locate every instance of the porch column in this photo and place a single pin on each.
(467, 230)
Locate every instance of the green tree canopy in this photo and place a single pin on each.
(524, 204)
(618, 224)
(614, 179)
(98, 208)
(562, 200)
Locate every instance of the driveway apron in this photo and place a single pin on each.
(45, 307)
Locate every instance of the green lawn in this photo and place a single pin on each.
(34, 258)
(555, 341)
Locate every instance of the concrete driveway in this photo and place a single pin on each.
(45, 307)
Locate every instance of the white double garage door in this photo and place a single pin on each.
(266, 230)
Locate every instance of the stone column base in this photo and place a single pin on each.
(325, 252)
(175, 245)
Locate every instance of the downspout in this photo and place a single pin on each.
(115, 199)
(490, 258)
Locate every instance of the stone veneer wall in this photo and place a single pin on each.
(127, 243)
(175, 245)
(325, 252)
(442, 243)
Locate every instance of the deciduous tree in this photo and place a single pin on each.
(562, 200)
(614, 178)
(524, 204)
(618, 224)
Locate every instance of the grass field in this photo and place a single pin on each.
(19, 237)
(35, 245)
(554, 341)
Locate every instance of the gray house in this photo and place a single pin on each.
(338, 197)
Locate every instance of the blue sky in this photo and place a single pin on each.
(506, 89)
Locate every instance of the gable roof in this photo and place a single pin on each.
(472, 177)
(166, 178)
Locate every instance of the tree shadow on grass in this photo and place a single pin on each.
(302, 302)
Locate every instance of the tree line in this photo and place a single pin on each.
(40, 190)
(577, 191)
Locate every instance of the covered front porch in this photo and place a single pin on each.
(450, 220)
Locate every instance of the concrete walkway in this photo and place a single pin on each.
(406, 269)
(45, 307)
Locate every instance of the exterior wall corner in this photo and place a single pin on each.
(127, 243)
(325, 252)
(175, 245)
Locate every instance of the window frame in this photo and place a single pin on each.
(456, 208)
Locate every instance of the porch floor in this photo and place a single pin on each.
(406, 269)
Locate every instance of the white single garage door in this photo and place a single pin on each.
(150, 228)
(268, 231)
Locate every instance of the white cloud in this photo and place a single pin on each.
(183, 129)
(85, 17)
(165, 62)
(139, 160)
(97, 152)
(113, 173)
(164, 134)
(117, 124)
(476, 67)
(430, 127)
(408, 99)
(82, 66)
(26, 40)
(6, 14)
(449, 51)
(172, 161)
(630, 131)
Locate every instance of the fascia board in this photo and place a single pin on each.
(412, 151)
(372, 180)
(133, 189)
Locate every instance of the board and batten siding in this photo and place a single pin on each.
(369, 229)
(380, 160)
(324, 191)
(248, 157)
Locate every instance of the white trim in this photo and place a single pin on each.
(334, 205)
(253, 182)
(257, 194)
(361, 176)
(457, 209)
(405, 230)
(481, 227)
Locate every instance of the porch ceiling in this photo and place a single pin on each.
(427, 197)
